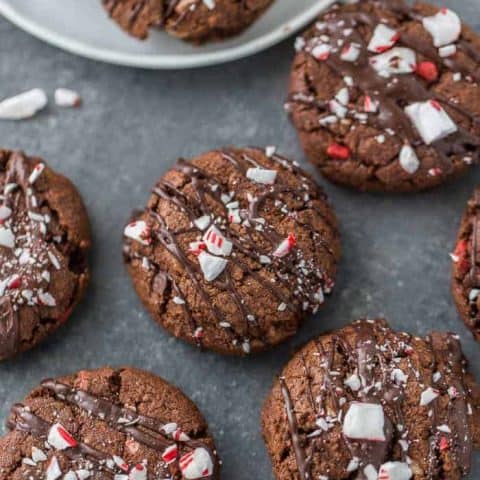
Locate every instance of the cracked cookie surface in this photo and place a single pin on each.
(192, 20)
(367, 402)
(107, 424)
(234, 249)
(385, 97)
(44, 239)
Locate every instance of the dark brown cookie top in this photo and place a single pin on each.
(386, 97)
(369, 403)
(122, 424)
(44, 238)
(192, 20)
(466, 267)
(233, 250)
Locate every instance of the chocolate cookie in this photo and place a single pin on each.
(120, 424)
(369, 403)
(44, 238)
(193, 20)
(385, 97)
(233, 250)
(466, 267)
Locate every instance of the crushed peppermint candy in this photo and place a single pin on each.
(60, 438)
(398, 60)
(445, 27)
(431, 121)
(262, 175)
(196, 464)
(365, 421)
(24, 105)
(138, 231)
(409, 160)
(395, 471)
(211, 265)
(64, 97)
(383, 38)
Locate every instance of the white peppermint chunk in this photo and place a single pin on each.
(138, 231)
(138, 472)
(353, 464)
(5, 212)
(53, 470)
(262, 175)
(211, 266)
(396, 61)
(22, 106)
(7, 238)
(38, 455)
(370, 472)
(59, 438)
(445, 27)
(196, 464)
(409, 160)
(383, 38)
(210, 4)
(395, 471)
(36, 172)
(321, 51)
(447, 51)
(365, 421)
(343, 96)
(431, 120)
(64, 97)
(216, 242)
(428, 396)
(203, 222)
(353, 382)
(351, 52)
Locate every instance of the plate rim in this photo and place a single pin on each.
(162, 61)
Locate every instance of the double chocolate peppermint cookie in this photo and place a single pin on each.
(193, 20)
(366, 402)
(234, 249)
(107, 424)
(466, 267)
(385, 96)
(44, 238)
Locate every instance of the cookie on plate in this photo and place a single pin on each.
(192, 20)
(233, 250)
(466, 267)
(385, 97)
(367, 402)
(44, 239)
(122, 424)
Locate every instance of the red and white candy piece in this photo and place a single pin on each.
(364, 421)
(216, 242)
(24, 105)
(395, 471)
(197, 247)
(350, 52)
(139, 231)
(64, 97)
(408, 159)
(445, 27)
(7, 238)
(285, 247)
(138, 472)
(370, 105)
(170, 454)
(383, 38)
(59, 438)
(211, 266)
(262, 175)
(36, 172)
(431, 120)
(321, 52)
(396, 61)
(53, 470)
(428, 396)
(180, 436)
(196, 464)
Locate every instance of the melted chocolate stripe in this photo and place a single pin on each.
(474, 273)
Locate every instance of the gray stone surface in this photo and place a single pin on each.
(132, 126)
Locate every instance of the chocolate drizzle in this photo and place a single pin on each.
(372, 363)
(208, 190)
(148, 431)
(394, 93)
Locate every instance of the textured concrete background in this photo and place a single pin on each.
(132, 126)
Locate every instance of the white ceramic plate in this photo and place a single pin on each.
(82, 27)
